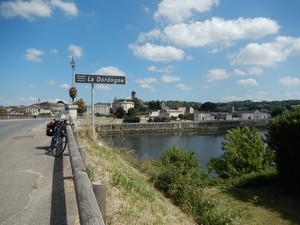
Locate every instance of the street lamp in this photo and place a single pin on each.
(73, 90)
(73, 68)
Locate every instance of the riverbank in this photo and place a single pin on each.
(132, 199)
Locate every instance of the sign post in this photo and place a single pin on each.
(93, 111)
(97, 79)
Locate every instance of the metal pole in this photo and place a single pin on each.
(73, 68)
(92, 106)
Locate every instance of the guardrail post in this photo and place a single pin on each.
(82, 153)
(99, 189)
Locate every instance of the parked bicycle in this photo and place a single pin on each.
(57, 130)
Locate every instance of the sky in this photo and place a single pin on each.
(191, 50)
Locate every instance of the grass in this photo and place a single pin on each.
(261, 205)
(132, 199)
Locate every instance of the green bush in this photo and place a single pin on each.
(131, 119)
(244, 153)
(283, 135)
(182, 180)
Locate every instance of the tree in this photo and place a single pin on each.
(120, 112)
(132, 116)
(244, 153)
(208, 106)
(81, 105)
(132, 112)
(154, 105)
(283, 135)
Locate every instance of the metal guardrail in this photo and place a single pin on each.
(89, 212)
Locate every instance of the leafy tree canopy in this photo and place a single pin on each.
(283, 135)
(244, 153)
(81, 105)
(208, 106)
(154, 105)
(120, 112)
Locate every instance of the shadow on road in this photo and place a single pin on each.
(45, 148)
(58, 200)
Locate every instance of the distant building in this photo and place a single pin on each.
(236, 115)
(167, 112)
(33, 110)
(202, 116)
(125, 103)
(101, 109)
(252, 115)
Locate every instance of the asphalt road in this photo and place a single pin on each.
(35, 187)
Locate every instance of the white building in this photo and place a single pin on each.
(102, 109)
(252, 115)
(125, 103)
(202, 116)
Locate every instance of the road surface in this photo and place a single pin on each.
(35, 187)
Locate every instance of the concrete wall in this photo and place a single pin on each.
(205, 127)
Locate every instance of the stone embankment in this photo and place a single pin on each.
(205, 127)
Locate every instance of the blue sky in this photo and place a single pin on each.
(192, 50)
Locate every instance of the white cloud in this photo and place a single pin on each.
(147, 82)
(255, 71)
(216, 74)
(66, 86)
(157, 53)
(184, 87)
(239, 72)
(34, 55)
(51, 82)
(53, 51)
(168, 69)
(217, 31)
(175, 11)
(247, 82)
(35, 8)
(259, 96)
(75, 50)
(267, 54)
(25, 9)
(27, 100)
(292, 95)
(69, 8)
(102, 87)
(146, 9)
(113, 71)
(169, 79)
(289, 81)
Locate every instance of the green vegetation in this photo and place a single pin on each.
(132, 116)
(120, 112)
(130, 198)
(182, 180)
(81, 105)
(244, 153)
(284, 137)
(159, 119)
(249, 190)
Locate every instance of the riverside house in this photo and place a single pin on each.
(236, 115)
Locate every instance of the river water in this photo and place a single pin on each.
(152, 145)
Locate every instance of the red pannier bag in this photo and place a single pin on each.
(50, 129)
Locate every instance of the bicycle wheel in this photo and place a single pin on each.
(58, 150)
